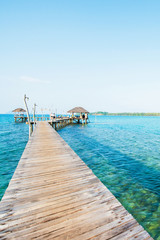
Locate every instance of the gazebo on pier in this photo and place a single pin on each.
(82, 114)
(19, 115)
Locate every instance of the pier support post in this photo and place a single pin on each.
(25, 97)
(86, 117)
(31, 129)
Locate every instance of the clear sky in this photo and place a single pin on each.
(101, 55)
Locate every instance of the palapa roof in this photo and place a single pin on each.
(19, 110)
(78, 110)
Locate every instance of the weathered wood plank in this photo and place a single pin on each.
(54, 195)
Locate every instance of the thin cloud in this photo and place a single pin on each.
(33, 80)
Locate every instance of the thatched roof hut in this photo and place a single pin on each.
(78, 110)
(19, 110)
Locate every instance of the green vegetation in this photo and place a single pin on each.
(124, 114)
(99, 113)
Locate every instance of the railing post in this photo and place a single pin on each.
(34, 111)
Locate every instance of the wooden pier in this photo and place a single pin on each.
(56, 123)
(20, 119)
(54, 195)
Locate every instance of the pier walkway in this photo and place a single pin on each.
(54, 195)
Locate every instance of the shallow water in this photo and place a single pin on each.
(124, 152)
(13, 138)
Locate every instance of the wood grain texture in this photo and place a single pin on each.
(54, 195)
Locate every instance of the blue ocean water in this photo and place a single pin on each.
(13, 138)
(123, 152)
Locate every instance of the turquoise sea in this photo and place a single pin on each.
(123, 152)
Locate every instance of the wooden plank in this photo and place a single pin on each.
(54, 195)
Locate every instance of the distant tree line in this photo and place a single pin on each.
(125, 114)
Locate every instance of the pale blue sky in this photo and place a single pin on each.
(102, 55)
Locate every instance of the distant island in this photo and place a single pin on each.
(99, 113)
